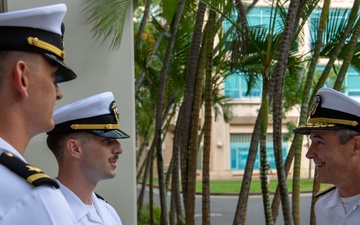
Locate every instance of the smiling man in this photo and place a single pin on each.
(334, 127)
(84, 142)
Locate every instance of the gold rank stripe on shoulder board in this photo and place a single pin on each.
(31, 174)
(325, 190)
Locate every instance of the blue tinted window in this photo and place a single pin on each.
(337, 19)
(239, 154)
(351, 85)
(236, 87)
(352, 82)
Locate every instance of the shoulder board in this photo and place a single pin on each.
(31, 174)
(100, 197)
(325, 190)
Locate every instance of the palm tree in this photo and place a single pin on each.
(259, 39)
(208, 46)
(174, 82)
(186, 108)
(279, 74)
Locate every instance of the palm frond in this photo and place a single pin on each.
(108, 18)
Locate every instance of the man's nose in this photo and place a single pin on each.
(59, 94)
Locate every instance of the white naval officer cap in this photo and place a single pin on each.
(96, 114)
(332, 110)
(37, 30)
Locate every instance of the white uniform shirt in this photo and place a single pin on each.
(22, 203)
(106, 214)
(329, 210)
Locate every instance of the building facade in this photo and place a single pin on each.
(231, 141)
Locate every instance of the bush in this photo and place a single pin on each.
(145, 216)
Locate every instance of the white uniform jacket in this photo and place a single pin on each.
(22, 203)
(330, 211)
(107, 214)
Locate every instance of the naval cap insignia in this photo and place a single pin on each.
(114, 109)
(315, 104)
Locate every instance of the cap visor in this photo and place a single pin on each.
(307, 128)
(64, 73)
(117, 134)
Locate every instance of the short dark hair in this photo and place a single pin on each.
(57, 143)
(344, 135)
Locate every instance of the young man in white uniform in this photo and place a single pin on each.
(31, 65)
(84, 142)
(334, 128)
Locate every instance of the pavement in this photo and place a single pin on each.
(223, 207)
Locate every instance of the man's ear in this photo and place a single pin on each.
(73, 147)
(356, 150)
(20, 78)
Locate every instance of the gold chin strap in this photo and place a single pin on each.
(47, 46)
(95, 126)
(336, 121)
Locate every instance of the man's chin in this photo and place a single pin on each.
(49, 127)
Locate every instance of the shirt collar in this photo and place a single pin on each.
(79, 209)
(77, 206)
(335, 200)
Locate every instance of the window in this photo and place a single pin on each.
(257, 18)
(336, 21)
(236, 87)
(351, 85)
(262, 17)
(239, 150)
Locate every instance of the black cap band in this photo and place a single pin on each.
(15, 38)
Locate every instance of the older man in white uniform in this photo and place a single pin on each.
(31, 65)
(334, 128)
(84, 142)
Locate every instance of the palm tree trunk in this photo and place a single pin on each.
(185, 113)
(143, 145)
(175, 178)
(193, 141)
(208, 45)
(151, 193)
(141, 170)
(168, 175)
(240, 214)
(143, 23)
(192, 154)
(279, 74)
(159, 109)
(140, 199)
(264, 166)
(288, 162)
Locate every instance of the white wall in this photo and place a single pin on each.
(99, 69)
